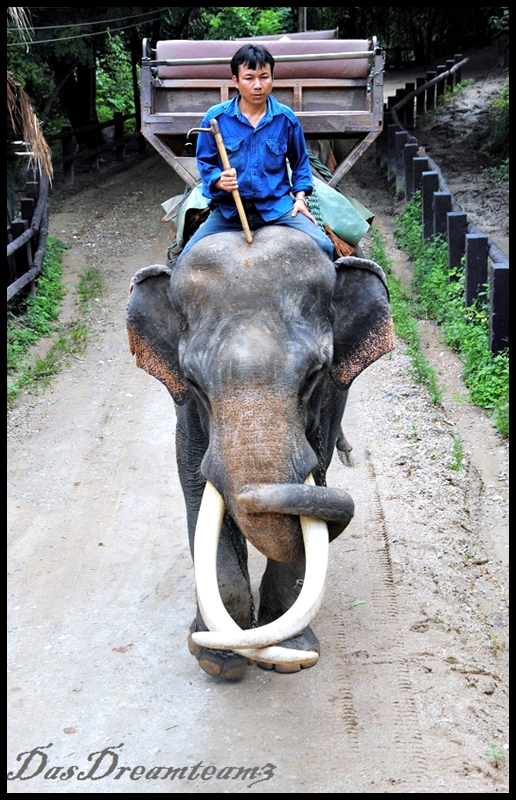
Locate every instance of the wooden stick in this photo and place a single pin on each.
(236, 196)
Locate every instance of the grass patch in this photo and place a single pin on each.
(406, 321)
(31, 318)
(90, 285)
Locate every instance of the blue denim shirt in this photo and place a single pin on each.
(259, 156)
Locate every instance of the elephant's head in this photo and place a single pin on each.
(264, 339)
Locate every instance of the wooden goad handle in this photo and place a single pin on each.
(236, 196)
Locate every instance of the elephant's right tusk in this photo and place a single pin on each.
(224, 633)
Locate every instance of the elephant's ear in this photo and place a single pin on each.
(153, 328)
(363, 329)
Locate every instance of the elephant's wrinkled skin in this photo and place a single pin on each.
(258, 345)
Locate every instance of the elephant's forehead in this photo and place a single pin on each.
(275, 251)
(220, 271)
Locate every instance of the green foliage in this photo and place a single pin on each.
(500, 22)
(33, 74)
(496, 755)
(458, 454)
(501, 171)
(498, 143)
(440, 297)
(114, 80)
(32, 317)
(406, 322)
(91, 284)
(238, 21)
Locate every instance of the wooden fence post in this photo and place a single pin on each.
(410, 152)
(32, 186)
(429, 185)
(399, 145)
(27, 213)
(457, 230)
(420, 166)
(11, 262)
(441, 85)
(477, 248)
(430, 92)
(23, 256)
(450, 80)
(458, 73)
(498, 307)
(420, 98)
(442, 205)
(473, 252)
(409, 107)
(27, 208)
(391, 149)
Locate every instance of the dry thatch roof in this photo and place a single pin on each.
(20, 113)
(25, 125)
(20, 17)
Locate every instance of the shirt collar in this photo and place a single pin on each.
(272, 110)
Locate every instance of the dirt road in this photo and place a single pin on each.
(410, 693)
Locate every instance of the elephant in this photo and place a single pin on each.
(258, 345)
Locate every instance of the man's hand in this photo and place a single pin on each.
(301, 207)
(227, 181)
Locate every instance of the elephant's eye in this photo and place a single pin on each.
(199, 393)
(312, 379)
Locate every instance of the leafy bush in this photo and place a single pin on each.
(114, 81)
(239, 21)
(498, 143)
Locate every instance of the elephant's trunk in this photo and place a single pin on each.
(246, 449)
(333, 506)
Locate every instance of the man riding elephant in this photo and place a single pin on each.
(258, 341)
(260, 135)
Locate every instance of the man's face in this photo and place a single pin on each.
(254, 85)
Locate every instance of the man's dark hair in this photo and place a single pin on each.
(252, 56)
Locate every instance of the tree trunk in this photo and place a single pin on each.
(78, 97)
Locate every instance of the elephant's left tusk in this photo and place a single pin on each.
(224, 633)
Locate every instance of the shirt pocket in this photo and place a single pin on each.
(275, 155)
(235, 152)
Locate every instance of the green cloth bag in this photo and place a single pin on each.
(177, 207)
(341, 214)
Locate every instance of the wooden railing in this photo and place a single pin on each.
(399, 153)
(27, 237)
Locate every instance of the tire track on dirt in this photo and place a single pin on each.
(376, 698)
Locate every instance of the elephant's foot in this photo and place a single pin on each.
(307, 640)
(218, 663)
(344, 449)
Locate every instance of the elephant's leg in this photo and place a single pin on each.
(235, 591)
(280, 586)
(344, 449)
